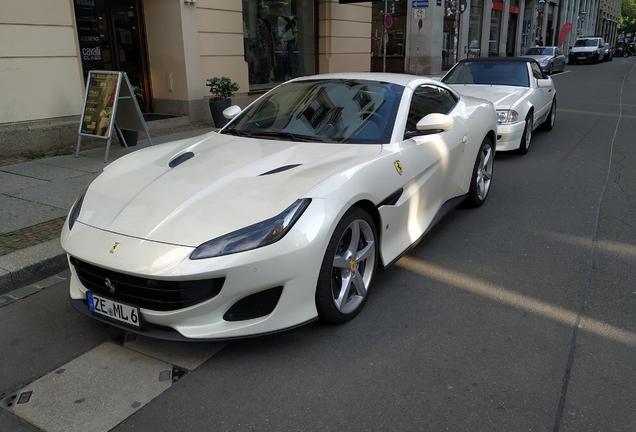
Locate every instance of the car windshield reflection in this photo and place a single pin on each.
(328, 111)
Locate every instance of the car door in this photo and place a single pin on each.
(541, 97)
(433, 165)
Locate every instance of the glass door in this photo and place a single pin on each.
(123, 41)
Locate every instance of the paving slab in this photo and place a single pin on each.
(18, 213)
(60, 194)
(42, 171)
(95, 391)
(13, 182)
(186, 355)
(86, 179)
(81, 163)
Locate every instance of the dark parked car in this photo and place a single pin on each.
(609, 53)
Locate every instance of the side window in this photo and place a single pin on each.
(426, 100)
(536, 71)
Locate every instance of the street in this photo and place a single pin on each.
(517, 316)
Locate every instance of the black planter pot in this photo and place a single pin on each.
(216, 108)
(130, 136)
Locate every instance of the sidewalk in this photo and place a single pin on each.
(35, 197)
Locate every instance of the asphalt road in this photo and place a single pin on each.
(518, 316)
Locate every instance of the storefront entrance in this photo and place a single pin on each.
(112, 37)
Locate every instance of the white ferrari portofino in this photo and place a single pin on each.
(284, 215)
(524, 97)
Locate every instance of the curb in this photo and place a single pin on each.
(31, 264)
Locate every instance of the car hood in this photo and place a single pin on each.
(502, 97)
(584, 49)
(539, 58)
(226, 184)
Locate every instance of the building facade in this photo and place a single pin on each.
(168, 48)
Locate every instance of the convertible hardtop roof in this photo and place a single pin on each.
(402, 79)
(498, 59)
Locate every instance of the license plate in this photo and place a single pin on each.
(582, 57)
(117, 311)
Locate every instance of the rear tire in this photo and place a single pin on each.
(347, 268)
(548, 124)
(482, 174)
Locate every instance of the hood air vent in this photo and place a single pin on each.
(280, 169)
(180, 159)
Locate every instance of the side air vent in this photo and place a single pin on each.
(180, 159)
(392, 199)
(280, 169)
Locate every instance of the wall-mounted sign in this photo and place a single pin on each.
(109, 103)
(419, 4)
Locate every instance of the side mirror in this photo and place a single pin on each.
(435, 123)
(231, 112)
(544, 83)
(431, 124)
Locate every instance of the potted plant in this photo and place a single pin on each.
(222, 89)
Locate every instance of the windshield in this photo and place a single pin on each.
(331, 111)
(489, 72)
(540, 51)
(586, 42)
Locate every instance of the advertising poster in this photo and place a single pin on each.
(97, 116)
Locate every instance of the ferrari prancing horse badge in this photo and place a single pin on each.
(114, 248)
(398, 166)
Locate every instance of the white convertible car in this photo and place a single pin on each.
(524, 97)
(284, 215)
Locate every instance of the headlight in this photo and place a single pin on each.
(254, 236)
(544, 62)
(507, 116)
(75, 210)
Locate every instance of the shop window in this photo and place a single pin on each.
(278, 40)
(474, 28)
(395, 36)
(495, 32)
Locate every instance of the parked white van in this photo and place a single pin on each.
(587, 50)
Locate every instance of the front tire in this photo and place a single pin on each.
(550, 69)
(347, 268)
(548, 124)
(482, 174)
(524, 145)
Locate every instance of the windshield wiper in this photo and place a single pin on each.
(290, 136)
(235, 132)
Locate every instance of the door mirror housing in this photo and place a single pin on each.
(231, 112)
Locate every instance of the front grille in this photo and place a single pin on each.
(153, 294)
